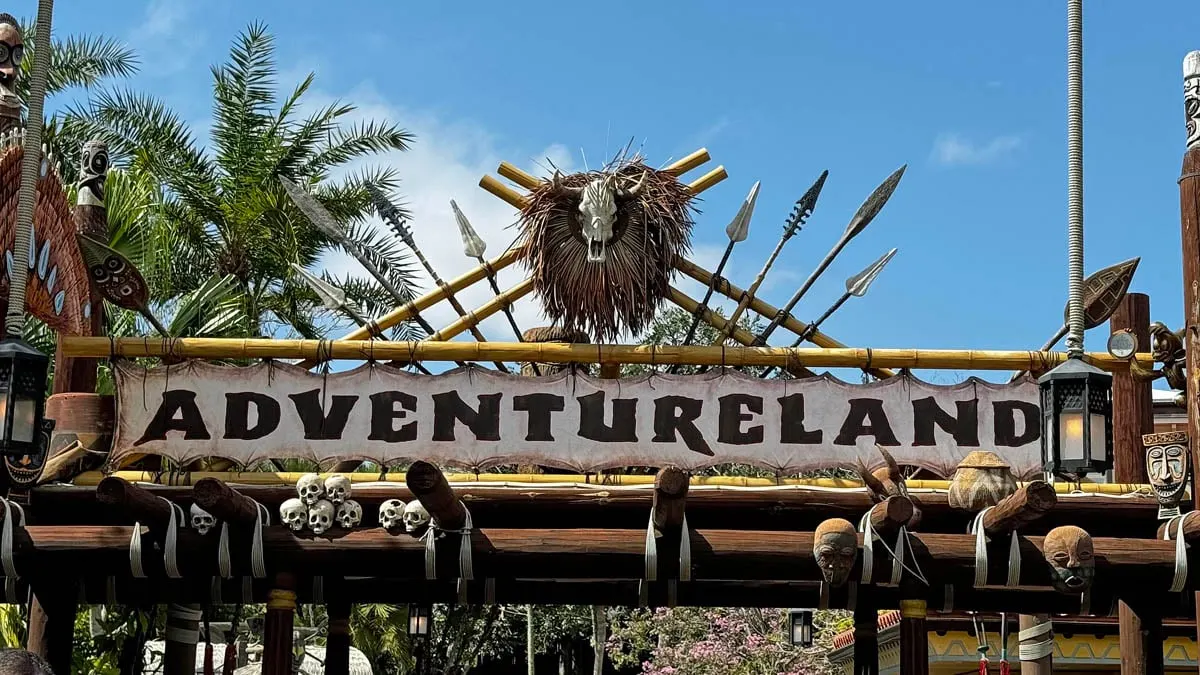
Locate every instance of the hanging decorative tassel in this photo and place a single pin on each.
(1004, 668)
(981, 639)
(231, 643)
(208, 650)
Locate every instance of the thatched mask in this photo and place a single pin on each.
(1068, 549)
(603, 244)
(835, 547)
(1168, 464)
(981, 480)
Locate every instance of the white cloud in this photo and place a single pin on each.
(168, 39)
(953, 149)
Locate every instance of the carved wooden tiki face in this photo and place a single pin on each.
(1191, 97)
(1168, 465)
(12, 50)
(1068, 549)
(835, 546)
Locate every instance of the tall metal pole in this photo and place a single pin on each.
(1075, 175)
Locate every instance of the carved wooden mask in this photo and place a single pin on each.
(1068, 549)
(835, 546)
(1169, 465)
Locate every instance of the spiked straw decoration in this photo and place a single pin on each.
(624, 292)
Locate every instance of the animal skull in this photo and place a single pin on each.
(294, 514)
(416, 518)
(337, 488)
(202, 521)
(310, 488)
(391, 514)
(320, 517)
(598, 209)
(349, 514)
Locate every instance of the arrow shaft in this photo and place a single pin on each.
(372, 327)
(761, 338)
(812, 328)
(703, 306)
(512, 321)
(748, 296)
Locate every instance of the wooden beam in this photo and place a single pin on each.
(670, 499)
(337, 641)
(224, 503)
(135, 502)
(888, 516)
(496, 304)
(277, 627)
(1189, 224)
(1030, 636)
(554, 352)
(726, 288)
(1027, 504)
(866, 633)
(52, 622)
(914, 638)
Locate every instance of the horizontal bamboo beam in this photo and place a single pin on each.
(708, 180)
(762, 307)
(472, 319)
(511, 172)
(548, 352)
(530, 182)
(494, 186)
(770, 485)
(739, 334)
(687, 163)
(1144, 565)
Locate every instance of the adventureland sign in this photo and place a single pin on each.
(476, 418)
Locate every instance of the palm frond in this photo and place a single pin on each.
(77, 61)
(348, 201)
(244, 91)
(364, 138)
(214, 309)
(302, 143)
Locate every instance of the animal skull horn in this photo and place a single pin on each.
(636, 190)
(557, 184)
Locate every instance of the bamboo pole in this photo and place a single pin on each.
(514, 198)
(686, 164)
(93, 478)
(548, 352)
(496, 304)
(790, 322)
(517, 200)
(741, 335)
(527, 181)
(708, 180)
(530, 182)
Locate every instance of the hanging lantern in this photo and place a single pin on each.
(801, 623)
(23, 372)
(418, 621)
(1076, 402)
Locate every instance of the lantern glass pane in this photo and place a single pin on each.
(3, 412)
(1070, 436)
(24, 411)
(1098, 433)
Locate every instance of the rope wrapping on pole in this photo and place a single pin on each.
(1075, 176)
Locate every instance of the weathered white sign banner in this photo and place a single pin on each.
(476, 418)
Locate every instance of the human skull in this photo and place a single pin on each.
(337, 488)
(202, 521)
(598, 209)
(416, 518)
(349, 514)
(320, 517)
(391, 514)
(310, 488)
(294, 514)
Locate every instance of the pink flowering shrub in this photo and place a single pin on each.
(692, 641)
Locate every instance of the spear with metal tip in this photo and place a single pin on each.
(863, 217)
(334, 299)
(800, 213)
(737, 230)
(391, 215)
(323, 221)
(856, 286)
(1102, 294)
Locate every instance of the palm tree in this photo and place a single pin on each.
(220, 210)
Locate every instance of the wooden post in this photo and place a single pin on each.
(52, 623)
(277, 628)
(337, 642)
(914, 638)
(1189, 219)
(670, 498)
(183, 632)
(1035, 631)
(1133, 415)
(866, 634)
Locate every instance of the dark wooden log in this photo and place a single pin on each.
(337, 641)
(277, 627)
(914, 637)
(135, 502)
(1133, 415)
(1189, 222)
(1027, 504)
(223, 502)
(603, 506)
(179, 657)
(866, 634)
(52, 622)
(670, 498)
(888, 516)
(428, 484)
(1191, 529)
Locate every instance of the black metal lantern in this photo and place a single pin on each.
(23, 372)
(801, 623)
(1076, 419)
(418, 621)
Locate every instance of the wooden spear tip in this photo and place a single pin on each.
(671, 481)
(1191, 64)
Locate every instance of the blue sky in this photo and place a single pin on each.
(970, 95)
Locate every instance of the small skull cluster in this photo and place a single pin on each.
(320, 504)
(394, 513)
